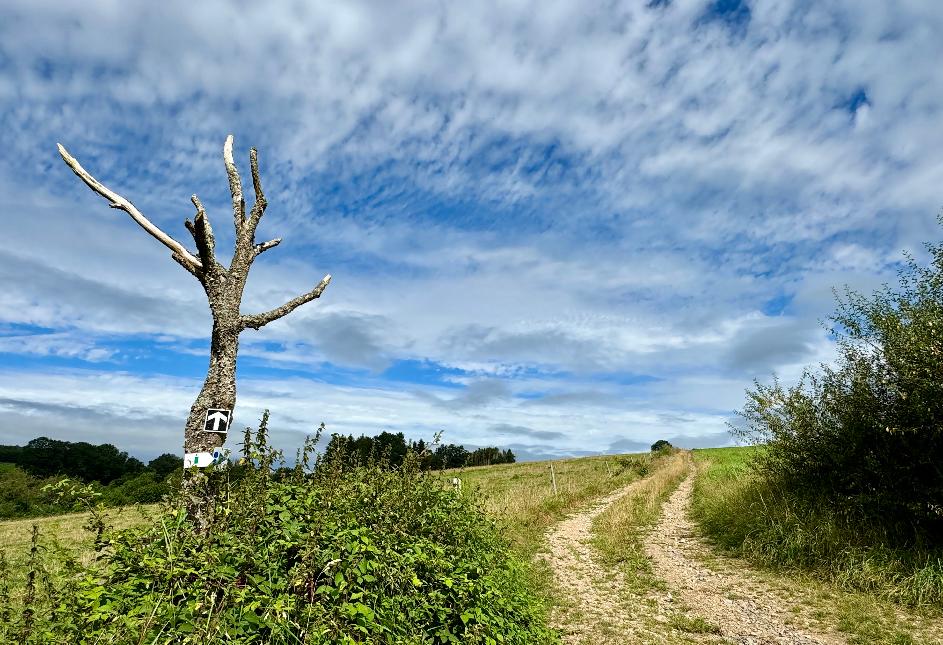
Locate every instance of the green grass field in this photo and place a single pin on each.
(521, 498)
(518, 496)
(732, 512)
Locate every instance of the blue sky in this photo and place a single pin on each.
(563, 227)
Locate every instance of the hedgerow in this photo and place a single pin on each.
(325, 552)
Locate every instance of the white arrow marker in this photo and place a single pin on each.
(216, 417)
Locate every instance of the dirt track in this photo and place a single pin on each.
(740, 605)
(600, 610)
(595, 593)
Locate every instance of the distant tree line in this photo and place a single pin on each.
(121, 479)
(104, 463)
(391, 449)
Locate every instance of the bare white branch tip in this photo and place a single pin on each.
(117, 201)
(227, 151)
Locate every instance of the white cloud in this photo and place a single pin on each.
(576, 189)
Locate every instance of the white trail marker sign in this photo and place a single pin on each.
(202, 459)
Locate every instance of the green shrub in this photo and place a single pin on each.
(661, 446)
(22, 495)
(144, 488)
(865, 437)
(336, 555)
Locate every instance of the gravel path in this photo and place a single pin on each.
(744, 609)
(594, 592)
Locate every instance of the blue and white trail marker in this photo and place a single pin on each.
(217, 420)
(202, 459)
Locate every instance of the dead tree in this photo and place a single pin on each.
(223, 286)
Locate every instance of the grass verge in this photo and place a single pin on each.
(843, 574)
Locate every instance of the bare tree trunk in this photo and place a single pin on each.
(224, 288)
(219, 391)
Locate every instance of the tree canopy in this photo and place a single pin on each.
(391, 449)
(44, 457)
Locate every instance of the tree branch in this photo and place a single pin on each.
(258, 209)
(186, 264)
(182, 255)
(203, 235)
(265, 246)
(257, 321)
(235, 186)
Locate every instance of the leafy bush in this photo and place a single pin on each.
(661, 446)
(144, 488)
(332, 554)
(865, 437)
(22, 495)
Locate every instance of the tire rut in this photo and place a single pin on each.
(595, 593)
(747, 611)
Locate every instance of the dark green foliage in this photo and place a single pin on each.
(490, 457)
(390, 450)
(21, 490)
(758, 519)
(23, 495)
(661, 445)
(44, 457)
(387, 447)
(10, 454)
(865, 437)
(144, 488)
(448, 456)
(319, 553)
(165, 465)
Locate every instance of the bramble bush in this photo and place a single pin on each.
(325, 552)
